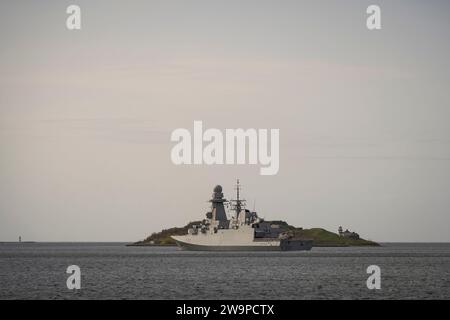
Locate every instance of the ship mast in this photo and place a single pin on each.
(238, 204)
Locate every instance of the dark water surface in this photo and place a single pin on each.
(114, 271)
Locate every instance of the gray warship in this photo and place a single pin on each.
(244, 231)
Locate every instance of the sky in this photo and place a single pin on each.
(86, 115)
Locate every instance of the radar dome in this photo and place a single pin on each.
(218, 189)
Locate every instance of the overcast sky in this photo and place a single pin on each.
(86, 116)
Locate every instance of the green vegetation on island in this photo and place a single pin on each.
(320, 237)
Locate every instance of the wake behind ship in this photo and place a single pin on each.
(244, 231)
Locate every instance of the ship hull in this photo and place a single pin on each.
(291, 245)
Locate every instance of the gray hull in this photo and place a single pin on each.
(285, 245)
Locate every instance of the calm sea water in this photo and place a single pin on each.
(114, 271)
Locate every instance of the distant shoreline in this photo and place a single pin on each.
(18, 241)
(315, 246)
(134, 244)
(319, 236)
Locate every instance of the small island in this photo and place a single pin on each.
(320, 237)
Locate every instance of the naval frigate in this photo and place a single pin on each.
(244, 231)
